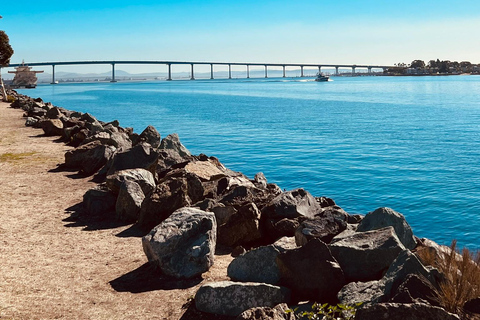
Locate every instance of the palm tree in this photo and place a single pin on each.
(6, 53)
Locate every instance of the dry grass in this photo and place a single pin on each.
(9, 156)
(462, 277)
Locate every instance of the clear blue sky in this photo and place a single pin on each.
(318, 31)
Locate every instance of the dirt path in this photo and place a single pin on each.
(53, 268)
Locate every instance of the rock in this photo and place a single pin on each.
(404, 265)
(414, 288)
(384, 217)
(366, 256)
(311, 272)
(292, 204)
(117, 139)
(183, 245)
(140, 156)
(277, 228)
(472, 306)
(167, 159)
(54, 113)
(99, 201)
(31, 121)
(206, 170)
(256, 265)
(173, 142)
(223, 213)
(260, 181)
(150, 135)
(325, 202)
(169, 195)
(231, 298)
(129, 201)
(323, 227)
(361, 292)
(349, 231)
(89, 158)
(243, 227)
(285, 243)
(278, 312)
(399, 311)
(52, 127)
(141, 176)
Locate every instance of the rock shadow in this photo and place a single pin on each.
(134, 231)
(78, 219)
(148, 278)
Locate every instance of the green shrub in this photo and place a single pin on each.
(329, 312)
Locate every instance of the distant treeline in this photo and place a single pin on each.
(419, 67)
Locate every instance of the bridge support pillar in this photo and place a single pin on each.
(266, 72)
(211, 71)
(191, 73)
(248, 71)
(369, 70)
(229, 71)
(353, 70)
(53, 74)
(169, 78)
(319, 69)
(284, 71)
(113, 73)
(336, 71)
(301, 71)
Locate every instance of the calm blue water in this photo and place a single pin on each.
(409, 143)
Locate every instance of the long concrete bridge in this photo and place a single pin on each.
(169, 64)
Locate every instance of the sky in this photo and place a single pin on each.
(381, 32)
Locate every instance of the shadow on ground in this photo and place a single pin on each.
(78, 219)
(191, 313)
(148, 278)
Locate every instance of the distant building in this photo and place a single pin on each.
(24, 77)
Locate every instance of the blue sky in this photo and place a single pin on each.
(320, 31)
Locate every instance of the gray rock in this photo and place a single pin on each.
(399, 311)
(361, 292)
(260, 181)
(173, 142)
(243, 227)
(223, 213)
(279, 312)
(321, 227)
(168, 158)
(150, 135)
(349, 231)
(311, 272)
(292, 204)
(54, 113)
(89, 158)
(31, 121)
(99, 201)
(404, 265)
(384, 217)
(183, 245)
(139, 175)
(140, 156)
(414, 289)
(365, 256)
(256, 265)
(129, 201)
(232, 298)
(52, 127)
(285, 243)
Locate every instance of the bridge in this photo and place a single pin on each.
(169, 64)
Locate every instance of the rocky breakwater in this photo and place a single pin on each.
(289, 246)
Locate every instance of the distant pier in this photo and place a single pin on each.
(192, 64)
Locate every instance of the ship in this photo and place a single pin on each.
(25, 77)
(321, 77)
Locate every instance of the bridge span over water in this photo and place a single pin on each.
(169, 64)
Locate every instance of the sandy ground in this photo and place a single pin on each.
(52, 267)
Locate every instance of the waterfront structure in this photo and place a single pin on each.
(247, 65)
(24, 77)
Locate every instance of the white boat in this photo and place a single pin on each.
(321, 77)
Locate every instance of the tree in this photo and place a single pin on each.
(417, 64)
(6, 53)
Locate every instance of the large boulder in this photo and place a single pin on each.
(472, 306)
(232, 298)
(168, 158)
(414, 289)
(384, 217)
(52, 127)
(361, 292)
(140, 156)
(183, 245)
(242, 227)
(89, 158)
(129, 201)
(172, 141)
(366, 256)
(139, 175)
(311, 272)
(323, 227)
(256, 265)
(150, 135)
(399, 311)
(292, 204)
(99, 201)
(279, 312)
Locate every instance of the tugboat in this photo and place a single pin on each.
(24, 77)
(321, 77)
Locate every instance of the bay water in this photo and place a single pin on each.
(409, 143)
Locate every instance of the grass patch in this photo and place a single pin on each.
(11, 157)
